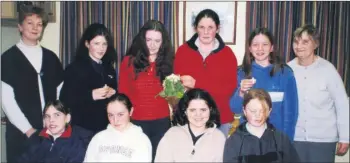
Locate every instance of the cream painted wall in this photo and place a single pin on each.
(9, 37)
(239, 48)
(51, 37)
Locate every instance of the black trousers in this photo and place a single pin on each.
(155, 130)
(16, 143)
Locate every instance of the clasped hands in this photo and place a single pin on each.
(102, 93)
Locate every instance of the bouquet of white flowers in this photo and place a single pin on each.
(173, 90)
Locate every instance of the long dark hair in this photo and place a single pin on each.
(90, 33)
(274, 59)
(139, 52)
(180, 117)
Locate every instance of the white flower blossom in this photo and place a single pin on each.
(173, 78)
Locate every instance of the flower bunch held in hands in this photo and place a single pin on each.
(173, 89)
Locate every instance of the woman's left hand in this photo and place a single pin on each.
(342, 148)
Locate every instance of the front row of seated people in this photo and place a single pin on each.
(194, 137)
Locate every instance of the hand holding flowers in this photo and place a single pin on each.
(173, 89)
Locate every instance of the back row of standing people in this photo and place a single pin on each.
(204, 62)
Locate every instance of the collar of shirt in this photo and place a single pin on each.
(205, 54)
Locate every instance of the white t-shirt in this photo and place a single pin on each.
(111, 145)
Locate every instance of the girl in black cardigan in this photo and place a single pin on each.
(90, 79)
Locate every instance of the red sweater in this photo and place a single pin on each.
(217, 74)
(142, 92)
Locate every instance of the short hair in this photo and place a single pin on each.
(58, 105)
(310, 30)
(180, 117)
(122, 98)
(29, 10)
(260, 94)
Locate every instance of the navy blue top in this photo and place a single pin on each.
(69, 147)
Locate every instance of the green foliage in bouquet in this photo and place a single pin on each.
(172, 88)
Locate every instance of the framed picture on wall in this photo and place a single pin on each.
(227, 12)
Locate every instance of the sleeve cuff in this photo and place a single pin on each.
(25, 127)
(58, 90)
(236, 105)
(343, 140)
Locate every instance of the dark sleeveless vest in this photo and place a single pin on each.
(18, 72)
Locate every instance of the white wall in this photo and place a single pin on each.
(9, 37)
(51, 37)
(239, 48)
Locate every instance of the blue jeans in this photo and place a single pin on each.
(225, 128)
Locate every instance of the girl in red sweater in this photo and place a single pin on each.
(148, 61)
(206, 62)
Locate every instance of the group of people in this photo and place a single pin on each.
(290, 113)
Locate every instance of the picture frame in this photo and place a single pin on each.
(227, 12)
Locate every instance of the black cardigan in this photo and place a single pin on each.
(80, 78)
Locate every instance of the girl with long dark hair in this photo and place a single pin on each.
(90, 79)
(149, 60)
